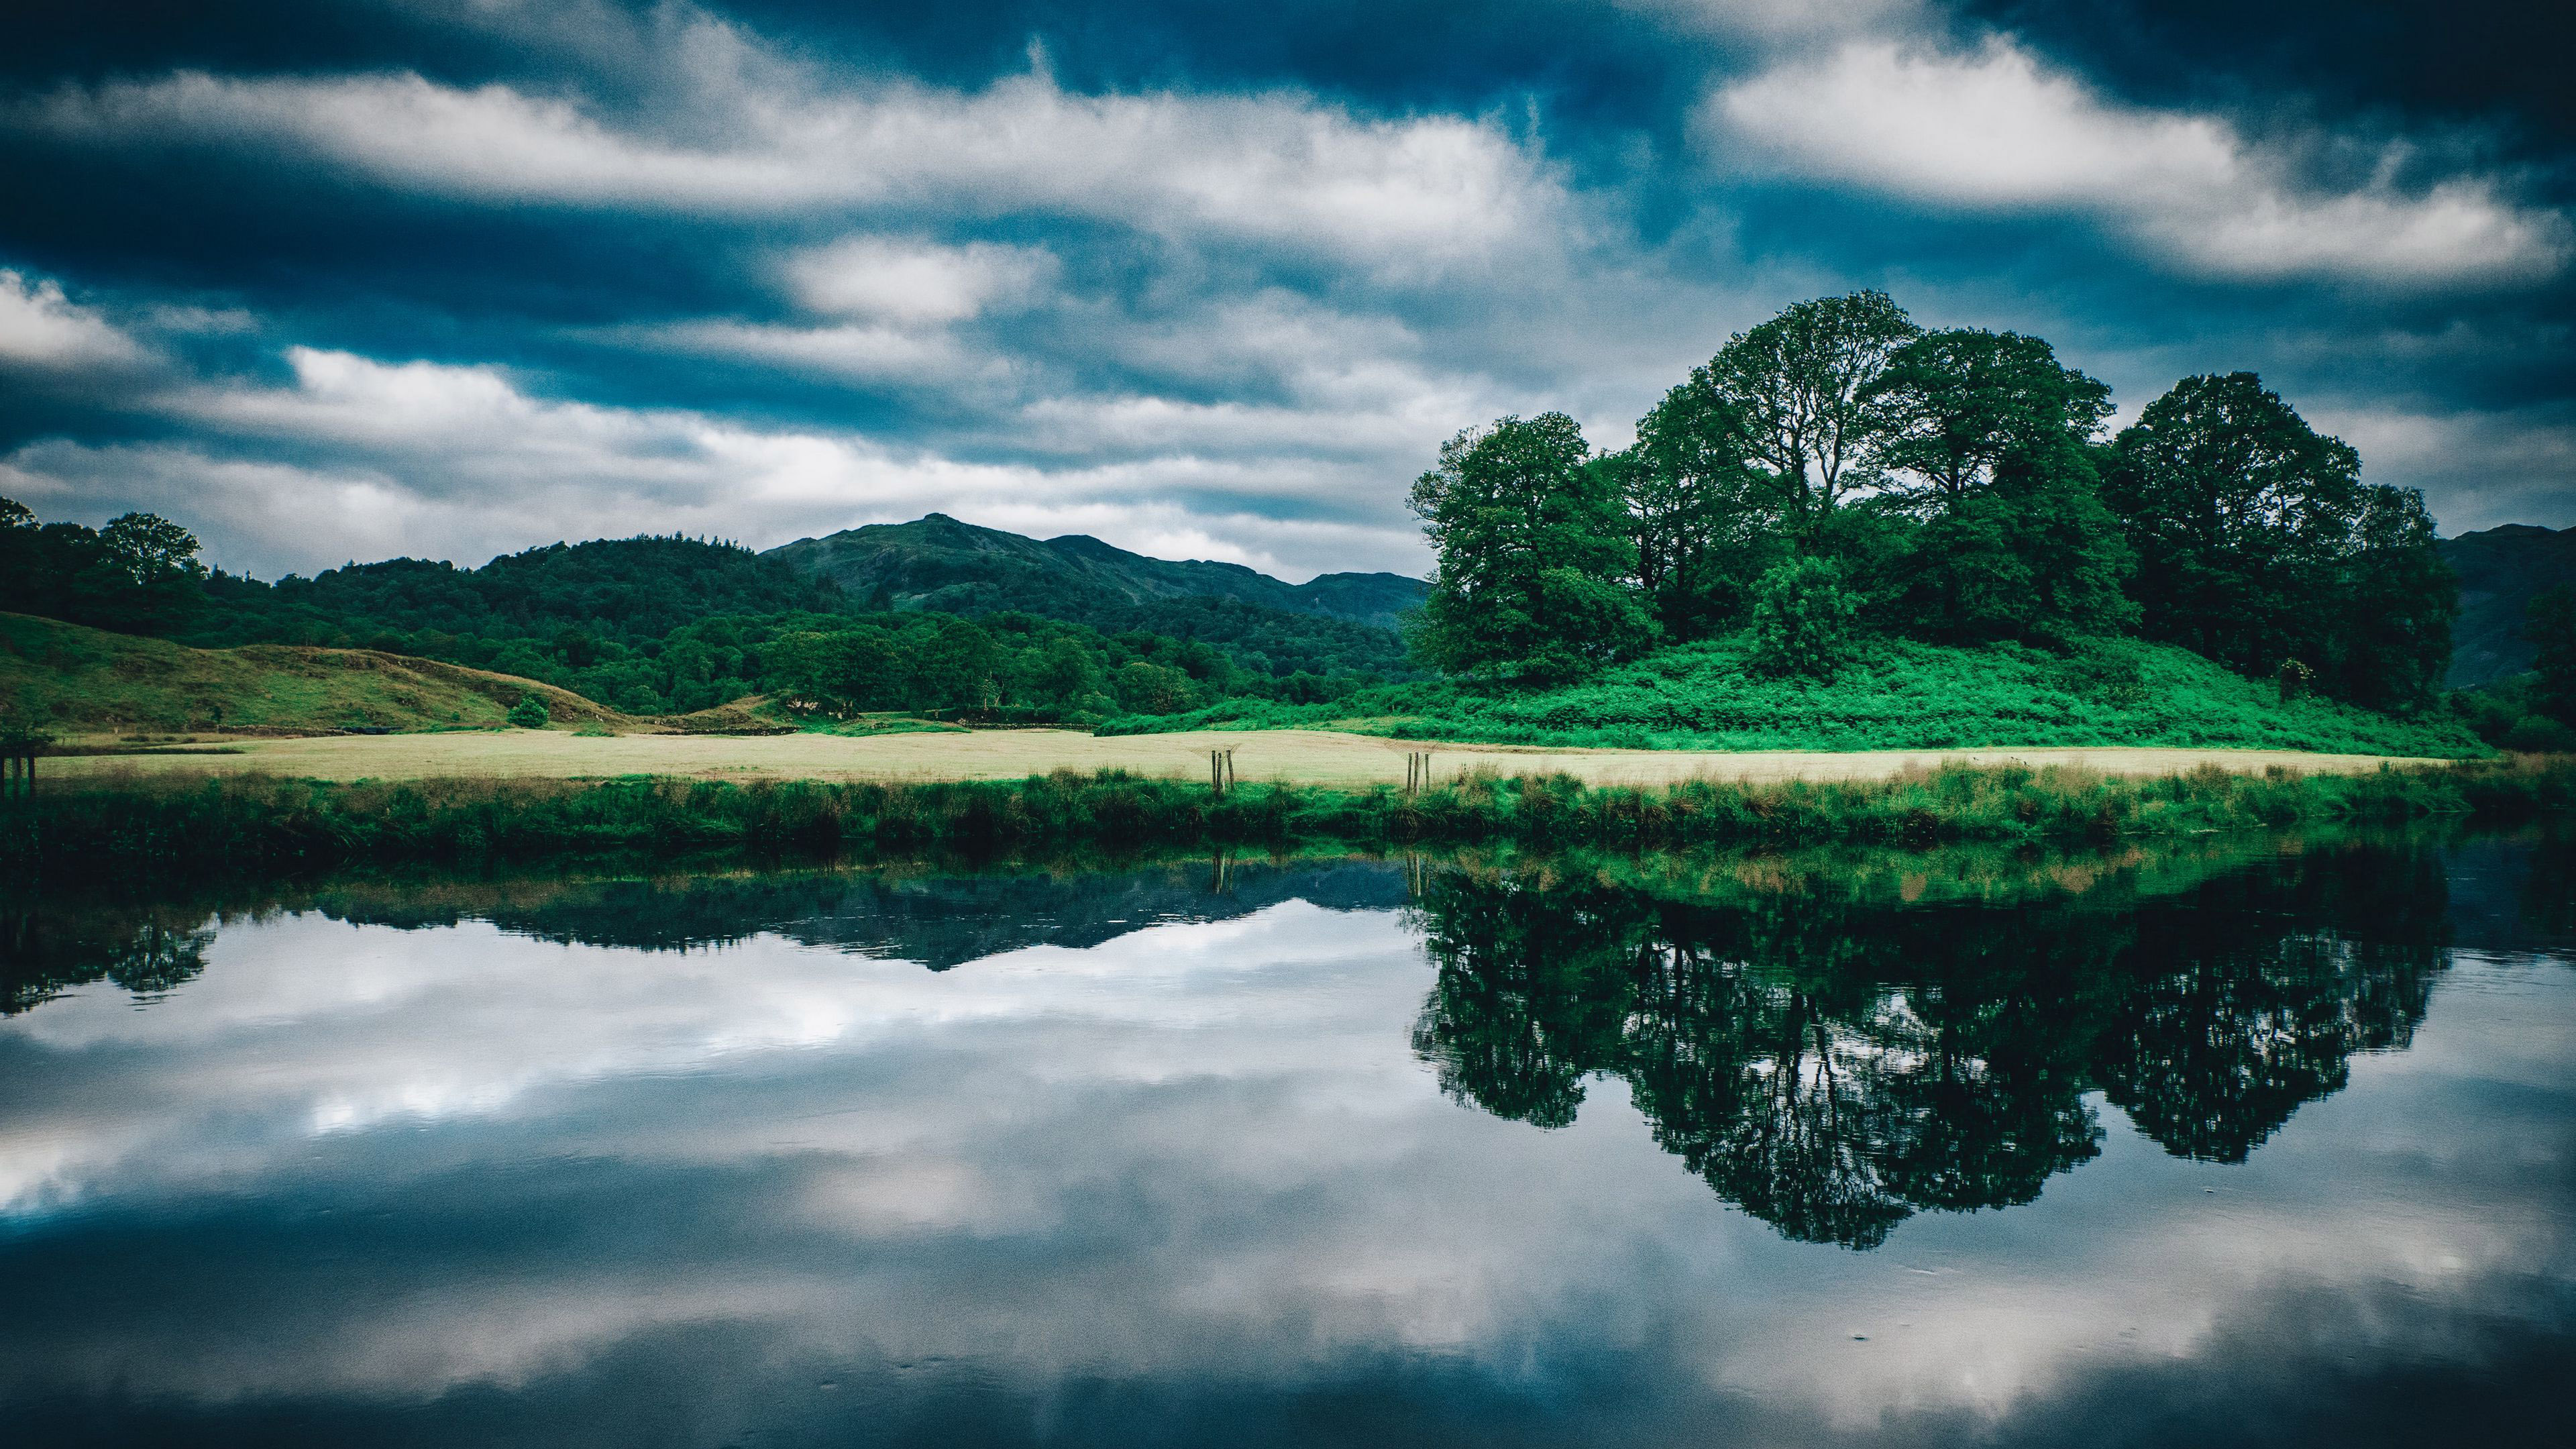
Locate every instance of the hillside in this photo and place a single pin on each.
(613, 589)
(2500, 569)
(1902, 695)
(81, 679)
(937, 562)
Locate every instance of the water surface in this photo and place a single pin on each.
(2249, 1143)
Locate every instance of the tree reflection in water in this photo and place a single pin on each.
(1833, 1063)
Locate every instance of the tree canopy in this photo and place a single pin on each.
(2259, 546)
(1536, 562)
(1837, 472)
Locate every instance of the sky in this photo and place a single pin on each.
(362, 278)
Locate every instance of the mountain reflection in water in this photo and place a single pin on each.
(2236, 1142)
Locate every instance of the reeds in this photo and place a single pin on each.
(226, 822)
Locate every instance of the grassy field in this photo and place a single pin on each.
(1897, 695)
(1303, 757)
(75, 677)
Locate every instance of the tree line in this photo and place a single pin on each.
(657, 626)
(1839, 471)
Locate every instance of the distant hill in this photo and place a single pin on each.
(2500, 569)
(79, 680)
(940, 563)
(613, 588)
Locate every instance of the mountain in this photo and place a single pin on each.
(2500, 569)
(937, 562)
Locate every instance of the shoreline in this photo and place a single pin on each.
(218, 822)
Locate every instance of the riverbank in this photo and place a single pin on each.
(248, 822)
(1303, 757)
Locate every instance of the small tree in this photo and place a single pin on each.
(1802, 619)
(529, 713)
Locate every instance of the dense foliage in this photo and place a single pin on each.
(2259, 546)
(1534, 556)
(1949, 486)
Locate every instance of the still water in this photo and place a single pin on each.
(2247, 1143)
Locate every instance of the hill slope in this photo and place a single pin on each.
(2500, 569)
(1901, 696)
(76, 678)
(937, 562)
(615, 588)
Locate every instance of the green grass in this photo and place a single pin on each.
(72, 678)
(1900, 695)
(248, 822)
(891, 723)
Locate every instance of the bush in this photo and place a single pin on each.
(529, 713)
(2538, 734)
(1802, 619)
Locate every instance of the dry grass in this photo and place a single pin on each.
(79, 678)
(1307, 757)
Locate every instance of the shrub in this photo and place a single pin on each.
(2538, 734)
(1802, 619)
(529, 713)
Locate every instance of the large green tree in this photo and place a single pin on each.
(1535, 578)
(1989, 444)
(1960, 404)
(1704, 520)
(2258, 545)
(1800, 401)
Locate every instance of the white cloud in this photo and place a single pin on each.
(1996, 131)
(364, 458)
(2478, 468)
(42, 329)
(881, 279)
(747, 133)
(871, 354)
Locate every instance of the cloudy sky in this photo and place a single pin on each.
(456, 277)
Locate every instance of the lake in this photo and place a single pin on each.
(2233, 1142)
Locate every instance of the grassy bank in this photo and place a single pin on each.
(74, 678)
(243, 822)
(1899, 695)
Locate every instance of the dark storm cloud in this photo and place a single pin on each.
(454, 279)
